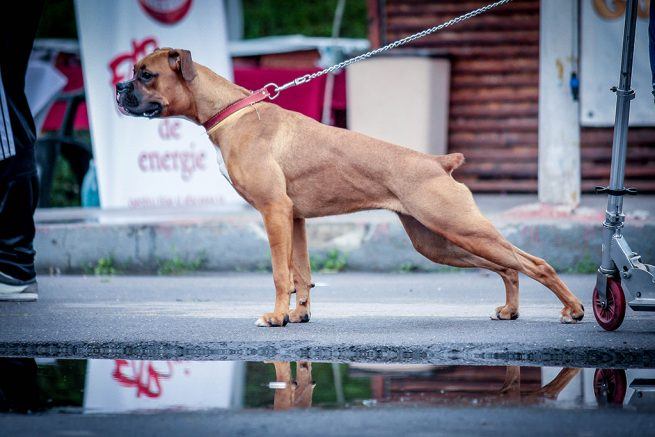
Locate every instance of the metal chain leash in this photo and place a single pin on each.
(308, 77)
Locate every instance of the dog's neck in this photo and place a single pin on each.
(213, 93)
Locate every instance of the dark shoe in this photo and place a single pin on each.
(15, 290)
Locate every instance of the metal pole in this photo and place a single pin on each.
(614, 214)
(338, 384)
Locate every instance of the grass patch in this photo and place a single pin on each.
(585, 265)
(409, 267)
(105, 266)
(332, 262)
(179, 266)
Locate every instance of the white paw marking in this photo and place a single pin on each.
(261, 322)
(566, 319)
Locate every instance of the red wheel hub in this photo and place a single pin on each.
(610, 316)
(610, 386)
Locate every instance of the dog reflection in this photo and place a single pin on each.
(512, 385)
(297, 392)
(293, 393)
(463, 384)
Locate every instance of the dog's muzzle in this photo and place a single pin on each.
(128, 103)
(125, 95)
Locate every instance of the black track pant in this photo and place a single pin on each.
(651, 42)
(18, 179)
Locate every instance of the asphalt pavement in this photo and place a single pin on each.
(436, 317)
(354, 422)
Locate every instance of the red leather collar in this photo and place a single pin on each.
(254, 97)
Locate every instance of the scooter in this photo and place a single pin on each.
(622, 272)
(611, 387)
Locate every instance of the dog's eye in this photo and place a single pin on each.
(146, 76)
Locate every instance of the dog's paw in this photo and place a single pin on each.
(273, 319)
(505, 312)
(572, 314)
(299, 315)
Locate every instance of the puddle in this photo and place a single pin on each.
(128, 386)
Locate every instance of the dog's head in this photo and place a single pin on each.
(160, 86)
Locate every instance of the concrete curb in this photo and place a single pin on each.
(363, 242)
(442, 354)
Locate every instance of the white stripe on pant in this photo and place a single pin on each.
(7, 147)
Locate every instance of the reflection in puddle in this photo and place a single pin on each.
(118, 386)
(129, 385)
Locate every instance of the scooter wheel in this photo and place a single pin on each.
(610, 386)
(610, 316)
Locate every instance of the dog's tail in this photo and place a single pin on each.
(451, 161)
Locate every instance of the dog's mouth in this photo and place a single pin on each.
(151, 110)
(128, 104)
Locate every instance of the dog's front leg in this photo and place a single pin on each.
(304, 388)
(283, 397)
(301, 273)
(512, 385)
(278, 221)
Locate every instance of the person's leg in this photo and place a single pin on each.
(18, 178)
(19, 389)
(18, 199)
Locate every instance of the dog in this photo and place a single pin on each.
(291, 168)
(293, 392)
(298, 392)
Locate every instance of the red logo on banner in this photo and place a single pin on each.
(166, 11)
(121, 66)
(143, 375)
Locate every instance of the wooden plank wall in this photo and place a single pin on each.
(597, 151)
(494, 93)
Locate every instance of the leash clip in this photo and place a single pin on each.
(278, 89)
(275, 92)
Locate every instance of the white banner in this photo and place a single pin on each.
(141, 162)
(600, 59)
(115, 386)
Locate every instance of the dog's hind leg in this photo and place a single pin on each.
(559, 383)
(438, 249)
(302, 274)
(446, 207)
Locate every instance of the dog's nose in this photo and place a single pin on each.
(124, 86)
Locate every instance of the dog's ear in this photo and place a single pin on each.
(180, 61)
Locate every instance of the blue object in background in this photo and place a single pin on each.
(574, 83)
(90, 195)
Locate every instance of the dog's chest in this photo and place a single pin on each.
(222, 165)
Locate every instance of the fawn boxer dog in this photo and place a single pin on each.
(291, 168)
(298, 392)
